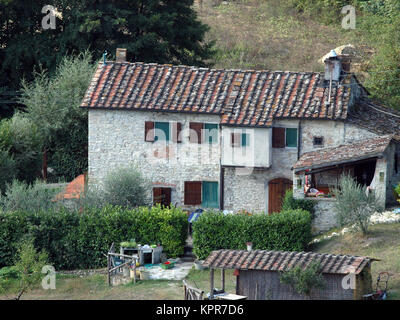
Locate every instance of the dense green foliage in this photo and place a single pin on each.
(20, 141)
(354, 204)
(52, 105)
(290, 203)
(79, 240)
(151, 30)
(288, 230)
(304, 281)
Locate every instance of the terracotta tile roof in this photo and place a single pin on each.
(376, 118)
(242, 97)
(73, 190)
(281, 261)
(358, 150)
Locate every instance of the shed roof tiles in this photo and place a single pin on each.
(355, 151)
(281, 261)
(241, 97)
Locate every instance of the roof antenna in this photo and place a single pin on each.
(104, 57)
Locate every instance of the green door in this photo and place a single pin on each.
(210, 194)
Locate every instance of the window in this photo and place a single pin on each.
(211, 133)
(240, 140)
(291, 137)
(284, 137)
(195, 132)
(204, 193)
(192, 192)
(245, 139)
(318, 141)
(161, 131)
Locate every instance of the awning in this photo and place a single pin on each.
(348, 153)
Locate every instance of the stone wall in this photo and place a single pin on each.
(325, 215)
(116, 139)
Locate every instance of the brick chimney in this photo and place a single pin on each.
(120, 55)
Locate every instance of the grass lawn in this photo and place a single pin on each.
(95, 287)
(382, 242)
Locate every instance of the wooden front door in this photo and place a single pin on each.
(276, 192)
(162, 196)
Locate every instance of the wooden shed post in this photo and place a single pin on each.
(211, 283)
(223, 279)
(108, 269)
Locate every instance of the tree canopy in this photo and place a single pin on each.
(151, 30)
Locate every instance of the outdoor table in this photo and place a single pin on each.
(229, 296)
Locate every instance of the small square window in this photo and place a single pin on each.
(318, 141)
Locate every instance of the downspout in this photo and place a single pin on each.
(221, 173)
(298, 140)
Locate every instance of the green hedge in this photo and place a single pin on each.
(79, 240)
(289, 231)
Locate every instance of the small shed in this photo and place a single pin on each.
(258, 273)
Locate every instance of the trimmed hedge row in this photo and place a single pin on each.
(288, 231)
(79, 240)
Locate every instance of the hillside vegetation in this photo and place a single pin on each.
(293, 35)
(382, 242)
(269, 34)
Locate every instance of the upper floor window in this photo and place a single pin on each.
(240, 139)
(203, 132)
(318, 141)
(284, 137)
(162, 131)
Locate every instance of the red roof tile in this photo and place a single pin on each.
(281, 261)
(242, 97)
(355, 151)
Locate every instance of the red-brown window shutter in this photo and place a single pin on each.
(176, 131)
(192, 192)
(196, 132)
(149, 131)
(235, 139)
(278, 137)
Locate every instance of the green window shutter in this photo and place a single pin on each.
(245, 139)
(163, 126)
(291, 137)
(211, 133)
(210, 194)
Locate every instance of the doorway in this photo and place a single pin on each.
(276, 192)
(162, 196)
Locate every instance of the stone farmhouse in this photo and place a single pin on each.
(238, 139)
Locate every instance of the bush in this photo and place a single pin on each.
(289, 231)
(24, 197)
(80, 240)
(125, 187)
(290, 203)
(7, 169)
(304, 281)
(354, 204)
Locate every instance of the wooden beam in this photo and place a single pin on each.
(223, 279)
(211, 283)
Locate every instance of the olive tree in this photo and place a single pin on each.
(355, 204)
